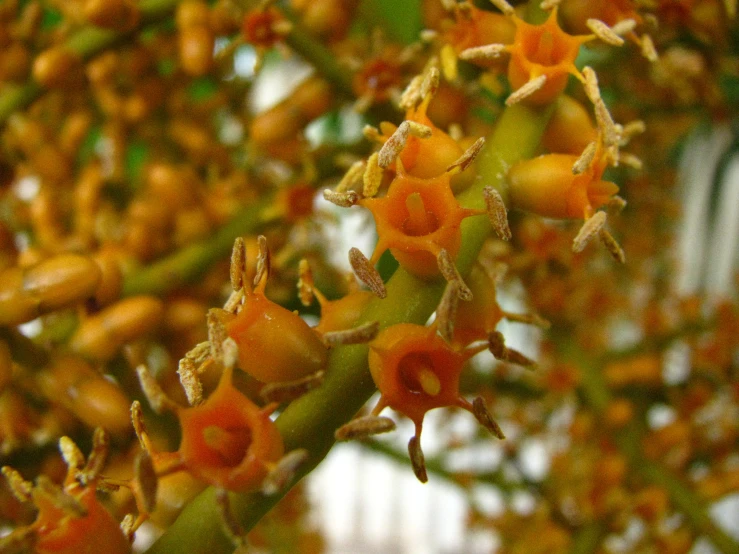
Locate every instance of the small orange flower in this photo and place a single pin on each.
(543, 50)
(62, 532)
(275, 344)
(228, 441)
(416, 371)
(547, 185)
(416, 220)
(475, 27)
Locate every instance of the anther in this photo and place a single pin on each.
(612, 246)
(397, 141)
(71, 454)
(497, 213)
(290, 390)
(481, 413)
(590, 229)
(604, 32)
(357, 335)
(263, 260)
(341, 199)
(526, 90)
(158, 400)
(624, 26)
(586, 158)
(353, 176)
(467, 157)
(145, 481)
(20, 488)
(449, 271)
(416, 454)
(372, 176)
(483, 53)
(364, 427)
(647, 48)
(366, 272)
(190, 381)
(503, 6)
(284, 471)
(238, 264)
(446, 312)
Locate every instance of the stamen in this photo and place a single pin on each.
(604, 32)
(467, 157)
(238, 264)
(483, 53)
(358, 335)
(481, 413)
(414, 449)
(190, 381)
(447, 312)
(497, 213)
(71, 454)
(397, 141)
(20, 488)
(450, 273)
(366, 272)
(430, 83)
(549, 4)
(290, 390)
(364, 427)
(412, 93)
(341, 199)
(612, 246)
(530, 319)
(353, 176)
(145, 481)
(616, 204)
(158, 400)
(231, 525)
(449, 63)
(586, 158)
(372, 178)
(284, 472)
(624, 26)
(264, 264)
(631, 160)
(372, 134)
(497, 347)
(526, 90)
(647, 48)
(503, 6)
(590, 229)
(98, 456)
(305, 283)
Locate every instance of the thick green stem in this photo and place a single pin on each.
(310, 421)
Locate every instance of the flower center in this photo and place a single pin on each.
(417, 374)
(419, 221)
(230, 444)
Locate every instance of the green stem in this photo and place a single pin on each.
(310, 421)
(186, 265)
(87, 42)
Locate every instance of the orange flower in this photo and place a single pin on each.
(416, 220)
(548, 186)
(228, 441)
